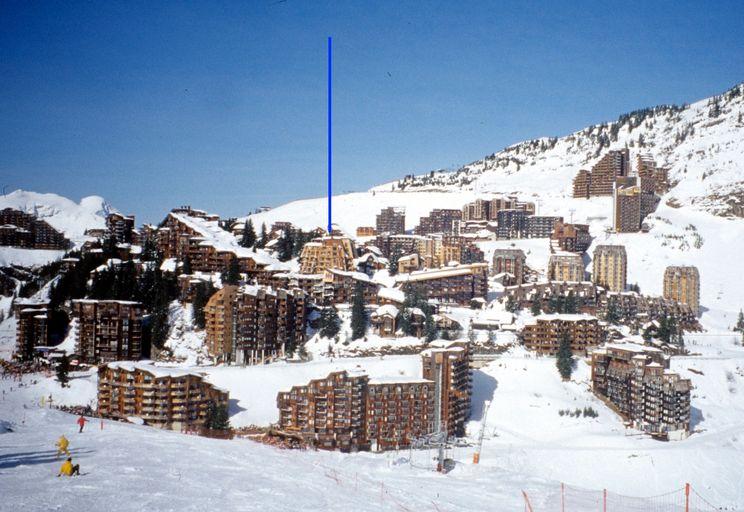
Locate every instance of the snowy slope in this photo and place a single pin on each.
(528, 446)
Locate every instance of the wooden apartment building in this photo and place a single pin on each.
(32, 326)
(447, 364)
(349, 411)
(545, 333)
(455, 283)
(327, 252)
(108, 330)
(162, 397)
(20, 229)
(636, 382)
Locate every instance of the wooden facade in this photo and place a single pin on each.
(20, 229)
(108, 330)
(545, 333)
(162, 397)
(637, 383)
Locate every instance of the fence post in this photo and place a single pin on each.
(563, 498)
(687, 497)
(604, 500)
(527, 504)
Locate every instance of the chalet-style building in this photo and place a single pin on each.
(163, 397)
(369, 263)
(32, 326)
(20, 229)
(682, 284)
(635, 381)
(384, 321)
(397, 244)
(391, 220)
(108, 330)
(456, 283)
(635, 310)
(545, 333)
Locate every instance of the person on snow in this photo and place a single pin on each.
(62, 444)
(81, 421)
(68, 469)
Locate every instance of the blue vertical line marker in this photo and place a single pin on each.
(330, 132)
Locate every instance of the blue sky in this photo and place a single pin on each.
(222, 105)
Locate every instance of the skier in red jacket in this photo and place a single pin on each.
(81, 421)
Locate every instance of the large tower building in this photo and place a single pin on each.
(391, 220)
(627, 208)
(610, 267)
(683, 285)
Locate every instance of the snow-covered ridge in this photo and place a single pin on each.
(63, 214)
(701, 144)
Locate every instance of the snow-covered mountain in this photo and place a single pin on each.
(702, 146)
(61, 213)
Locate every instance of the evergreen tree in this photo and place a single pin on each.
(231, 274)
(404, 323)
(393, 262)
(666, 329)
(512, 306)
(564, 360)
(330, 325)
(186, 266)
(249, 235)
(359, 318)
(285, 245)
(202, 294)
(264, 238)
(740, 322)
(570, 306)
(535, 308)
(217, 417)
(430, 329)
(613, 315)
(300, 239)
(445, 335)
(149, 250)
(63, 370)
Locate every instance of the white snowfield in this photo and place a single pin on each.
(528, 446)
